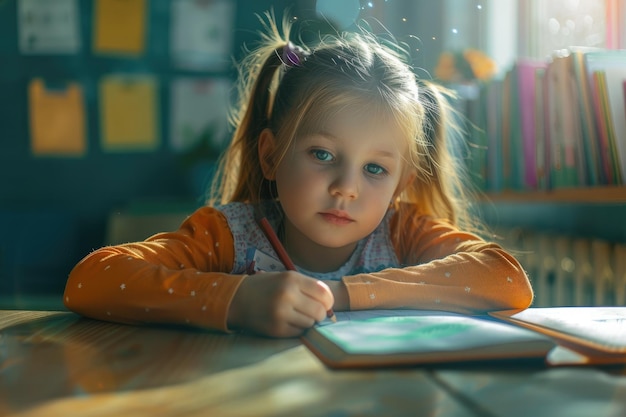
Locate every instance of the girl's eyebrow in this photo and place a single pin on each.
(381, 152)
(327, 134)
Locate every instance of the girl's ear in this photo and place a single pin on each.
(267, 145)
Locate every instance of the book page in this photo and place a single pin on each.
(414, 331)
(369, 314)
(603, 326)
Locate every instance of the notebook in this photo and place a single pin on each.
(382, 338)
(596, 333)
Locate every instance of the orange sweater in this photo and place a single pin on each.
(183, 277)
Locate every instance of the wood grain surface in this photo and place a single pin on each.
(59, 364)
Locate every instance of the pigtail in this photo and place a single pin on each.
(440, 165)
(441, 187)
(239, 176)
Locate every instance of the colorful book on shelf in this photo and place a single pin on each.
(613, 61)
(505, 132)
(526, 79)
(567, 169)
(383, 338)
(624, 90)
(493, 114)
(597, 335)
(606, 133)
(545, 107)
(516, 151)
(614, 77)
(589, 130)
(476, 115)
(541, 153)
(606, 160)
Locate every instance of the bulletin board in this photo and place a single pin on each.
(99, 100)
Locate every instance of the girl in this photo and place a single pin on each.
(345, 155)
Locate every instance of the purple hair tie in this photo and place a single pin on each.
(293, 55)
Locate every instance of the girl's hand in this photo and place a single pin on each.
(340, 294)
(279, 304)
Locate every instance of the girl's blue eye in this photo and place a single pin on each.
(322, 155)
(375, 169)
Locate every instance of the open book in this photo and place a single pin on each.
(375, 338)
(597, 334)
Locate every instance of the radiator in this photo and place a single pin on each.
(570, 271)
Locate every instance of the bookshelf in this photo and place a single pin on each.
(550, 125)
(548, 149)
(584, 213)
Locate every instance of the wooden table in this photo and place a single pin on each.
(57, 363)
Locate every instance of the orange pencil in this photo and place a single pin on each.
(283, 256)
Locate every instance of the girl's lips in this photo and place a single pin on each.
(336, 217)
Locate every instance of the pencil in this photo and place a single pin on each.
(283, 256)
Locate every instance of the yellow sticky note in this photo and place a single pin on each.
(57, 120)
(129, 113)
(120, 26)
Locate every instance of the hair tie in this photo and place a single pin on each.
(293, 55)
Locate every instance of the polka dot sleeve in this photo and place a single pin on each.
(447, 269)
(180, 277)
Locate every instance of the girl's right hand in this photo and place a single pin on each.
(279, 304)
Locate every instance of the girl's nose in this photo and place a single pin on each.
(345, 185)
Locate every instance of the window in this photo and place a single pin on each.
(558, 24)
(506, 29)
(503, 29)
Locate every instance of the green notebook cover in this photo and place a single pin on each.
(380, 338)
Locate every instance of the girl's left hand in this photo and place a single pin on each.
(340, 292)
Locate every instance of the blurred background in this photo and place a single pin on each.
(113, 113)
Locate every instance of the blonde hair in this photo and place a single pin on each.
(342, 70)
